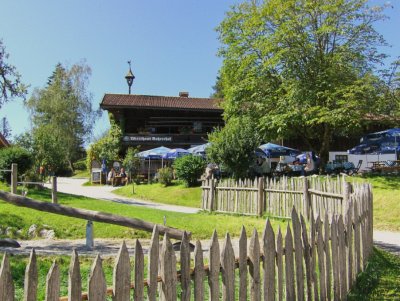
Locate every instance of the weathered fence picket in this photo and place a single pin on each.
(316, 259)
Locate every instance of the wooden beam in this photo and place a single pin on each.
(90, 215)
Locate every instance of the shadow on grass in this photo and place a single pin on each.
(380, 280)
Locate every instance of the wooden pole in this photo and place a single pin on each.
(89, 215)
(307, 198)
(54, 190)
(14, 179)
(212, 194)
(260, 196)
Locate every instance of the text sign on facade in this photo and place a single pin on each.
(147, 138)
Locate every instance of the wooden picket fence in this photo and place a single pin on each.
(276, 197)
(315, 260)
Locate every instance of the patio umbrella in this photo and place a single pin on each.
(199, 150)
(155, 153)
(175, 153)
(275, 150)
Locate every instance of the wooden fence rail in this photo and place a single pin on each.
(276, 198)
(315, 260)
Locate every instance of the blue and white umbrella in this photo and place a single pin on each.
(275, 151)
(199, 150)
(155, 153)
(176, 153)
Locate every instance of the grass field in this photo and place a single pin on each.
(380, 280)
(386, 191)
(201, 225)
(175, 194)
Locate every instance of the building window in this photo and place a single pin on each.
(197, 127)
(341, 158)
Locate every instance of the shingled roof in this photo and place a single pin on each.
(158, 102)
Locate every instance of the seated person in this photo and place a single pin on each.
(310, 166)
(111, 176)
(124, 177)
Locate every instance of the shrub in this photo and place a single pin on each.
(165, 176)
(14, 154)
(189, 169)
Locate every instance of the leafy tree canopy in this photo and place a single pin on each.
(302, 68)
(62, 116)
(10, 79)
(233, 146)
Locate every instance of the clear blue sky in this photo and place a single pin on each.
(172, 45)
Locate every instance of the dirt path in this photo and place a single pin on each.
(388, 241)
(74, 186)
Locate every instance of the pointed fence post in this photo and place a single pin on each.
(289, 265)
(212, 195)
(215, 263)
(152, 271)
(269, 261)
(31, 279)
(122, 275)
(254, 267)
(53, 283)
(139, 273)
(167, 271)
(14, 178)
(199, 273)
(97, 288)
(74, 278)
(7, 291)
(185, 267)
(243, 265)
(228, 270)
(307, 198)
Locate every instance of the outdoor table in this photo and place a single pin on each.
(117, 181)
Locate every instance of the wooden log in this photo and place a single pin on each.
(7, 291)
(213, 276)
(167, 271)
(31, 278)
(74, 278)
(289, 266)
(298, 252)
(53, 283)
(243, 265)
(279, 264)
(199, 272)
(138, 294)
(228, 270)
(185, 268)
(254, 267)
(88, 214)
(122, 275)
(269, 261)
(152, 272)
(307, 257)
(321, 260)
(97, 289)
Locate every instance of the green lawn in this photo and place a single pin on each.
(175, 194)
(380, 280)
(201, 225)
(386, 191)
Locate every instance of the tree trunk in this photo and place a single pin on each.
(325, 146)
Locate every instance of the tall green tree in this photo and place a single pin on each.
(233, 146)
(302, 68)
(62, 116)
(10, 80)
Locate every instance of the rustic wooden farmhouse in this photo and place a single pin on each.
(3, 141)
(175, 122)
